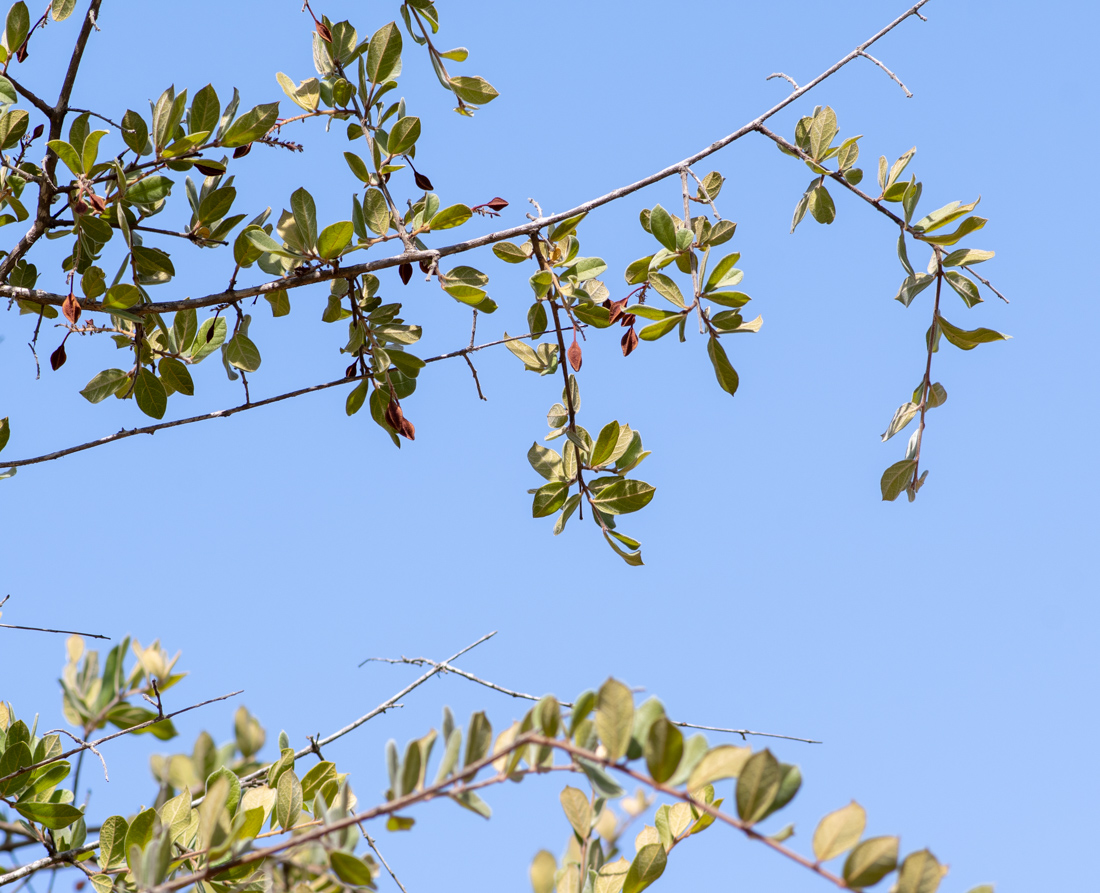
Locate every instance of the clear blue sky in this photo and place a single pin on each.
(945, 651)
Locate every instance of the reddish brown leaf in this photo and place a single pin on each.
(629, 342)
(57, 358)
(615, 308)
(21, 53)
(405, 271)
(395, 418)
(627, 320)
(497, 204)
(425, 266)
(208, 171)
(350, 371)
(323, 30)
(422, 182)
(38, 131)
(241, 151)
(97, 203)
(574, 354)
(71, 308)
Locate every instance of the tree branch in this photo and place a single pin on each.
(225, 413)
(314, 276)
(448, 668)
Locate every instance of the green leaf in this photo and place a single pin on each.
(356, 397)
(723, 369)
(149, 190)
(403, 136)
(902, 417)
(250, 126)
(605, 444)
(175, 373)
(13, 125)
(871, 861)
(921, 872)
(304, 210)
(351, 870)
(208, 339)
(724, 761)
(667, 289)
(549, 498)
(334, 239)
(450, 217)
(968, 340)
(510, 253)
(663, 749)
(472, 802)
(475, 90)
(288, 805)
(966, 256)
(578, 810)
(103, 385)
(648, 865)
(150, 395)
(242, 353)
(821, 205)
(566, 227)
(663, 227)
(15, 757)
(543, 867)
(54, 816)
(18, 26)
(896, 478)
(61, 9)
(971, 224)
(660, 329)
(479, 738)
(966, 288)
(624, 497)
(67, 154)
(135, 132)
(384, 54)
(724, 273)
(546, 462)
(409, 776)
(614, 712)
(839, 831)
(757, 786)
(822, 130)
(5, 432)
(112, 842)
(122, 296)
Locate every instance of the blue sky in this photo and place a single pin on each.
(944, 651)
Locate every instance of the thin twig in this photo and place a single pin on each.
(985, 282)
(387, 704)
(89, 745)
(449, 668)
(786, 77)
(896, 79)
(40, 629)
(381, 858)
(327, 274)
(225, 413)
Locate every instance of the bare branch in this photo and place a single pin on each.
(381, 858)
(785, 77)
(40, 629)
(449, 668)
(226, 413)
(896, 79)
(91, 745)
(985, 282)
